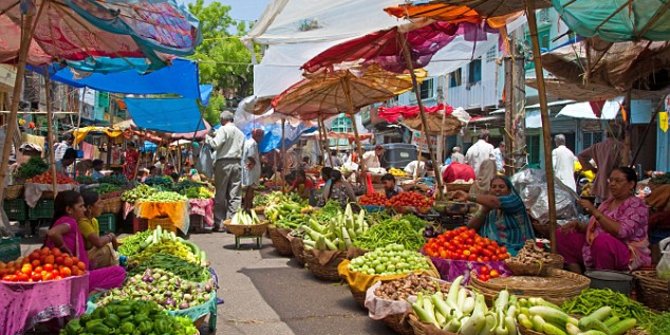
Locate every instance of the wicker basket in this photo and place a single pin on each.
(112, 205)
(557, 286)
(421, 328)
(535, 269)
(280, 241)
(399, 323)
(298, 249)
(458, 187)
(359, 297)
(164, 222)
(13, 192)
(239, 230)
(324, 272)
(260, 210)
(653, 292)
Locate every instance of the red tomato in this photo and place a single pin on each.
(494, 273)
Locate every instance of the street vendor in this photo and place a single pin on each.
(373, 159)
(302, 184)
(251, 167)
(502, 216)
(341, 190)
(100, 249)
(417, 169)
(615, 237)
(65, 235)
(390, 187)
(68, 159)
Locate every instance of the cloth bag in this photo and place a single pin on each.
(663, 267)
(103, 257)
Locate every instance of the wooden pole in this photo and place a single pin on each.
(179, 156)
(325, 143)
(627, 145)
(139, 157)
(350, 106)
(52, 154)
(283, 151)
(422, 113)
(26, 36)
(546, 126)
(646, 131)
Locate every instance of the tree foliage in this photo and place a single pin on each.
(223, 59)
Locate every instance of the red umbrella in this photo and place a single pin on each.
(384, 47)
(392, 114)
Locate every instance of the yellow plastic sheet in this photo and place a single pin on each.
(176, 211)
(360, 282)
(80, 134)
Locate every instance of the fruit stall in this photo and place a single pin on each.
(169, 288)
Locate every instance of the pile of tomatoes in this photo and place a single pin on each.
(42, 265)
(45, 178)
(374, 199)
(410, 199)
(484, 273)
(464, 244)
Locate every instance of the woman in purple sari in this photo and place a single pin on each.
(616, 236)
(64, 234)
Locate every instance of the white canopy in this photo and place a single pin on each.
(583, 110)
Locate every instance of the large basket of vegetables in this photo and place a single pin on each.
(280, 240)
(111, 205)
(654, 292)
(246, 225)
(323, 264)
(298, 249)
(13, 192)
(532, 260)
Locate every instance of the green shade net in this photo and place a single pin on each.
(617, 20)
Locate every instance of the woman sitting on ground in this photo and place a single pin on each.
(502, 216)
(340, 190)
(100, 249)
(64, 234)
(615, 237)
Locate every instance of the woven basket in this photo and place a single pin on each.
(240, 230)
(421, 328)
(324, 272)
(535, 269)
(260, 210)
(557, 286)
(280, 241)
(112, 205)
(13, 192)
(359, 297)
(458, 187)
(399, 323)
(653, 292)
(298, 249)
(163, 222)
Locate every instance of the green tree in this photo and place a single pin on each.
(223, 59)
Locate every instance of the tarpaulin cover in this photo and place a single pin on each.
(392, 114)
(167, 115)
(272, 138)
(617, 20)
(179, 78)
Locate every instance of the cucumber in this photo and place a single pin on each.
(622, 326)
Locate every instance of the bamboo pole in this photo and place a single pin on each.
(26, 36)
(52, 154)
(546, 126)
(283, 152)
(139, 157)
(627, 143)
(351, 111)
(325, 143)
(422, 113)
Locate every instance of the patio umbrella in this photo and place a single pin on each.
(328, 93)
(617, 20)
(439, 118)
(79, 30)
(444, 11)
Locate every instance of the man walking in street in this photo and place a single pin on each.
(480, 151)
(251, 167)
(227, 142)
(456, 155)
(564, 162)
(499, 154)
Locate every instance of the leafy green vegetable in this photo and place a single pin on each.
(35, 166)
(623, 307)
(660, 324)
(116, 179)
(398, 230)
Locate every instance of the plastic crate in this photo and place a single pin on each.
(43, 210)
(107, 223)
(16, 209)
(10, 249)
(164, 222)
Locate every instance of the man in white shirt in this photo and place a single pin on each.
(456, 155)
(251, 167)
(60, 148)
(417, 169)
(227, 142)
(479, 152)
(373, 159)
(564, 162)
(499, 154)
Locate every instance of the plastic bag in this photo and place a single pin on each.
(663, 267)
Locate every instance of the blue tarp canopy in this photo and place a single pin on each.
(170, 115)
(272, 138)
(148, 147)
(180, 78)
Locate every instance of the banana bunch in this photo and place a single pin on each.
(397, 172)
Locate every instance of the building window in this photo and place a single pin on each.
(591, 138)
(475, 71)
(426, 89)
(455, 78)
(533, 142)
(491, 54)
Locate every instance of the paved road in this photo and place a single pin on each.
(268, 294)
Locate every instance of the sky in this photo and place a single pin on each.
(248, 10)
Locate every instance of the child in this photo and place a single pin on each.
(100, 249)
(64, 234)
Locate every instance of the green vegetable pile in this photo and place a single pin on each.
(130, 317)
(163, 197)
(107, 188)
(335, 234)
(394, 230)
(133, 244)
(85, 180)
(162, 182)
(261, 199)
(116, 179)
(142, 191)
(388, 260)
(285, 208)
(623, 307)
(197, 192)
(173, 264)
(183, 185)
(35, 166)
(163, 288)
(660, 324)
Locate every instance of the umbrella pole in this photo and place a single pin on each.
(627, 146)
(283, 152)
(139, 158)
(646, 131)
(26, 36)
(52, 155)
(322, 127)
(424, 122)
(350, 104)
(546, 126)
